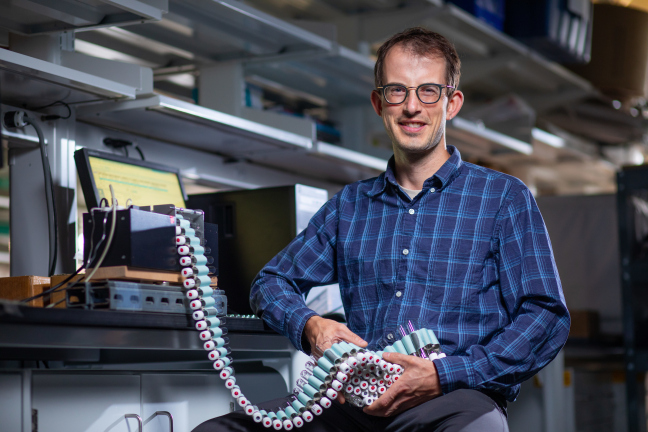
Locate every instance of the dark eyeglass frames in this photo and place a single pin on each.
(428, 93)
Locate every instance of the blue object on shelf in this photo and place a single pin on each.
(559, 29)
(490, 11)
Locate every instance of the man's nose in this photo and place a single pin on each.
(412, 102)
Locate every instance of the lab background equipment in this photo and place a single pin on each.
(253, 226)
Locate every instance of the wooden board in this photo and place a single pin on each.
(133, 274)
(22, 287)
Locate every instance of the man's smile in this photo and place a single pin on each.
(411, 126)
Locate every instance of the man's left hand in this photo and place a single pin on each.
(419, 383)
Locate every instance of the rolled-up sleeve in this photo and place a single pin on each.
(308, 261)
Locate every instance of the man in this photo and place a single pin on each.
(442, 243)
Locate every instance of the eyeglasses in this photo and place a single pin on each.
(428, 93)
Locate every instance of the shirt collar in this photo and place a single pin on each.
(448, 171)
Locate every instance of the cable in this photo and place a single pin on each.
(54, 116)
(54, 288)
(139, 150)
(49, 196)
(110, 236)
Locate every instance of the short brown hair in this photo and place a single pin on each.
(422, 42)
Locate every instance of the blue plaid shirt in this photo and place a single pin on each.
(468, 257)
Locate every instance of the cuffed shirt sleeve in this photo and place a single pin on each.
(308, 261)
(531, 295)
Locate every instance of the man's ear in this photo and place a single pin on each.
(454, 104)
(376, 101)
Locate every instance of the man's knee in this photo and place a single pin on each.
(461, 410)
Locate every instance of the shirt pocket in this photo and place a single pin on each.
(455, 274)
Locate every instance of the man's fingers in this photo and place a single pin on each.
(399, 358)
(353, 338)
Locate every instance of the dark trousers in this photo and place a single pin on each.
(460, 410)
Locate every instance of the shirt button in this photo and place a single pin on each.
(411, 211)
(405, 251)
(390, 336)
(398, 293)
(432, 190)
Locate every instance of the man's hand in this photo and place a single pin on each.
(321, 333)
(419, 383)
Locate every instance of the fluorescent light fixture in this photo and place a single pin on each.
(144, 42)
(183, 80)
(95, 50)
(548, 138)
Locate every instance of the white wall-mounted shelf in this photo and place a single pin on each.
(30, 82)
(38, 17)
(181, 123)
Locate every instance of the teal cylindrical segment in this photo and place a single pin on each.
(298, 405)
(319, 373)
(222, 351)
(303, 398)
(194, 241)
(201, 259)
(198, 250)
(353, 346)
(184, 223)
(338, 349)
(407, 342)
(219, 342)
(282, 415)
(325, 364)
(389, 349)
(309, 390)
(398, 346)
(272, 415)
(424, 336)
(316, 383)
(218, 332)
(435, 341)
(263, 412)
(189, 232)
(201, 270)
(209, 301)
(215, 322)
(207, 291)
(290, 412)
(204, 280)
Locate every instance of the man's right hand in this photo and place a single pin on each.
(321, 333)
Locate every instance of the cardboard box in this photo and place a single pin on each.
(584, 324)
(22, 287)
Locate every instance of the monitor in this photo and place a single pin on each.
(145, 183)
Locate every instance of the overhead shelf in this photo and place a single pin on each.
(30, 17)
(494, 64)
(178, 122)
(485, 141)
(209, 31)
(30, 82)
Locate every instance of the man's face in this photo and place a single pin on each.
(415, 127)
